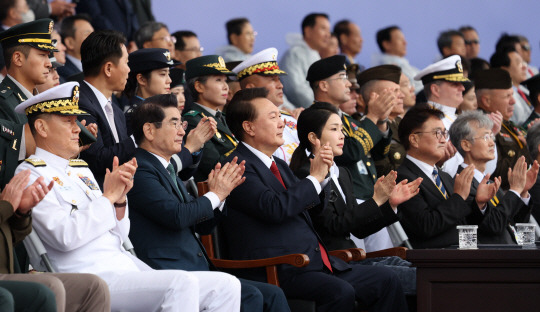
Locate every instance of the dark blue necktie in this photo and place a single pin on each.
(438, 182)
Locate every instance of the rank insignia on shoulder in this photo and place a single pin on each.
(511, 153)
(282, 112)
(77, 163)
(191, 113)
(36, 162)
(88, 182)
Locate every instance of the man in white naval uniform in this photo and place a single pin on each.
(443, 86)
(83, 229)
(262, 71)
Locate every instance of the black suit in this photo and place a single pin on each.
(100, 154)
(111, 14)
(267, 220)
(69, 69)
(164, 220)
(429, 219)
(501, 211)
(339, 219)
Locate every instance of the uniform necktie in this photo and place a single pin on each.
(170, 168)
(219, 116)
(324, 254)
(438, 182)
(110, 117)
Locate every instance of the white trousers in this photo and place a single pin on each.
(174, 290)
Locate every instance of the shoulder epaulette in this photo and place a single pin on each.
(285, 113)
(77, 163)
(36, 162)
(192, 113)
(5, 92)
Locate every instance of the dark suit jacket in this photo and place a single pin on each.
(143, 10)
(430, 220)
(111, 14)
(265, 220)
(503, 210)
(69, 69)
(12, 230)
(100, 154)
(339, 219)
(162, 224)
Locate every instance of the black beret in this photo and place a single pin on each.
(149, 59)
(326, 67)
(36, 34)
(207, 65)
(381, 72)
(177, 77)
(533, 83)
(493, 78)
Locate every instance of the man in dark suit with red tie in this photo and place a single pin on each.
(268, 217)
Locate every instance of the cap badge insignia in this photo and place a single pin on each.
(459, 66)
(76, 95)
(51, 26)
(167, 55)
(273, 57)
(221, 62)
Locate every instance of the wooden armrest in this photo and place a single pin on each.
(297, 260)
(395, 251)
(358, 254)
(343, 254)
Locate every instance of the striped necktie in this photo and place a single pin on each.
(438, 182)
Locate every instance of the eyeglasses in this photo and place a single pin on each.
(176, 123)
(342, 77)
(169, 39)
(195, 49)
(487, 137)
(526, 47)
(250, 34)
(438, 133)
(474, 41)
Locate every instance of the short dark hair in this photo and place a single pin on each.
(507, 41)
(445, 39)
(8, 53)
(191, 86)
(310, 20)
(5, 5)
(100, 47)
(427, 88)
(465, 28)
(414, 119)
(147, 31)
(342, 28)
(385, 34)
(235, 26)
(151, 111)
(241, 109)
(180, 35)
(500, 58)
(313, 119)
(67, 26)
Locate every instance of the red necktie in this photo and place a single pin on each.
(324, 255)
(524, 96)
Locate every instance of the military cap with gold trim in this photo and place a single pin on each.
(150, 59)
(381, 72)
(206, 65)
(325, 68)
(61, 100)
(493, 78)
(448, 69)
(262, 63)
(177, 77)
(36, 34)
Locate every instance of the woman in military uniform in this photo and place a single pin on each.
(207, 82)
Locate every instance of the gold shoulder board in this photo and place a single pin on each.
(36, 162)
(77, 163)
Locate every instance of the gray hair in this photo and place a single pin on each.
(147, 31)
(461, 128)
(533, 140)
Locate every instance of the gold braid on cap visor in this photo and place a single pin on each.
(269, 68)
(66, 104)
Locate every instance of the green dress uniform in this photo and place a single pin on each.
(396, 154)
(509, 149)
(10, 133)
(11, 96)
(221, 145)
(361, 138)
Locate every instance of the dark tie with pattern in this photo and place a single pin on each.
(170, 168)
(438, 182)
